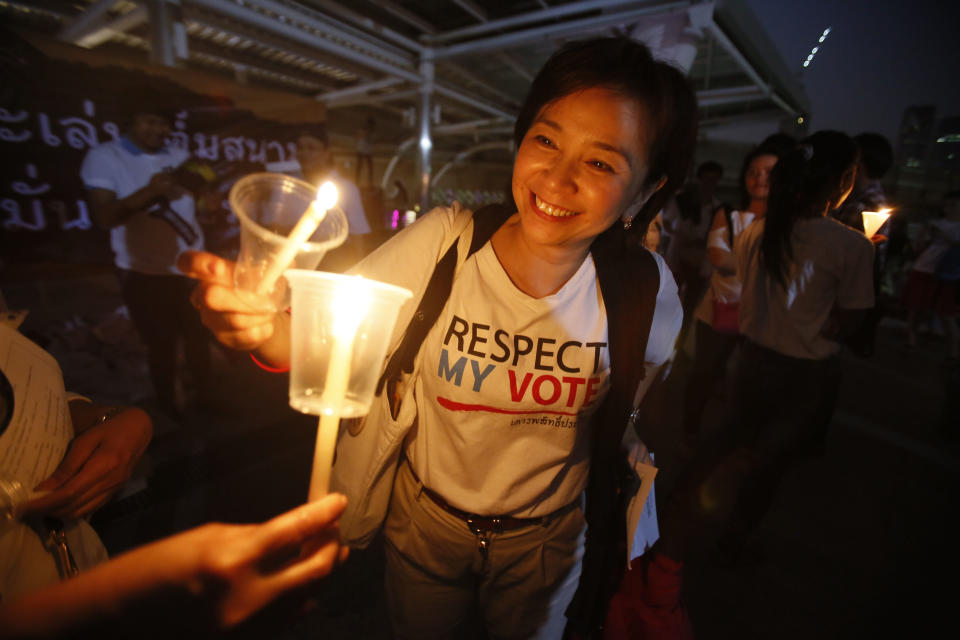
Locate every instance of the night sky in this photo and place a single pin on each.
(879, 58)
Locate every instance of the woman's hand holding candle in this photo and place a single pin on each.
(238, 319)
(249, 320)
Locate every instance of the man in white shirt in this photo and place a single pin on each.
(135, 191)
(316, 165)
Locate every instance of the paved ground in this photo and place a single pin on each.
(855, 543)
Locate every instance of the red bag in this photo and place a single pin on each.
(647, 606)
(726, 316)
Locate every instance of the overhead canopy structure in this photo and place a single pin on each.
(450, 73)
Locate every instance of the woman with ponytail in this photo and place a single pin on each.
(807, 284)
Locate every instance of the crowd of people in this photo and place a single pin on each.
(511, 526)
(913, 264)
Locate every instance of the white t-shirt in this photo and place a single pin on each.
(947, 233)
(144, 243)
(508, 382)
(832, 267)
(723, 287)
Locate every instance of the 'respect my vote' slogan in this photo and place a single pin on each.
(558, 383)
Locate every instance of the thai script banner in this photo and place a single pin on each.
(43, 151)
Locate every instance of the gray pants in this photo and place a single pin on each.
(441, 585)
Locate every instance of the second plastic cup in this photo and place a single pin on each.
(268, 206)
(340, 331)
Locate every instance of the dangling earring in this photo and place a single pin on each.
(627, 222)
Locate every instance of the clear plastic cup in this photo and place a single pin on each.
(268, 206)
(340, 331)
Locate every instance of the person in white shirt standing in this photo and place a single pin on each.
(715, 317)
(807, 285)
(316, 166)
(135, 191)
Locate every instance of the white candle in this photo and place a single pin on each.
(349, 306)
(326, 444)
(308, 223)
(334, 392)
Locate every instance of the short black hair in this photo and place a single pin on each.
(626, 67)
(876, 154)
(318, 131)
(166, 113)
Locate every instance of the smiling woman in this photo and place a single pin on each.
(596, 143)
(579, 167)
(498, 428)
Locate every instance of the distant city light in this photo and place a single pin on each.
(816, 48)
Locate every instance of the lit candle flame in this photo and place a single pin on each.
(326, 196)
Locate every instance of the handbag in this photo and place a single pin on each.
(648, 603)
(726, 316)
(948, 267)
(367, 454)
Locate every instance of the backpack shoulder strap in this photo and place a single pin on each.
(486, 221)
(629, 281)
